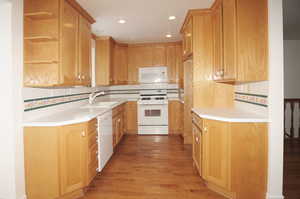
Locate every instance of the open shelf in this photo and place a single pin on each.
(40, 38)
(41, 62)
(39, 15)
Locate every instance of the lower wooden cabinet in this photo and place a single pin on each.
(197, 146)
(118, 124)
(131, 117)
(175, 117)
(60, 161)
(231, 157)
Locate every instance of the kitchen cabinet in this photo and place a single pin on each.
(197, 144)
(104, 61)
(60, 161)
(174, 63)
(216, 153)
(120, 64)
(159, 55)
(118, 124)
(175, 117)
(131, 117)
(151, 55)
(56, 52)
(188, 100)
(224, 153)
(244, 35)
(85, 57)
(188, 38)
(73, 156)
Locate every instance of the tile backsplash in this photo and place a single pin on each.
(252, 97)
(39, 102)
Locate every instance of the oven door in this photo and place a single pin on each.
(152, 114)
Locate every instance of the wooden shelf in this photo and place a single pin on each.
(41, 62)
(40, 38)
(39, 15)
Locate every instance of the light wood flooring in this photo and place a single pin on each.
(150, 167)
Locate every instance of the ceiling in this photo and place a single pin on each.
(291, 19)
(146, 20)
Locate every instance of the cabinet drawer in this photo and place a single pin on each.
(197, 121)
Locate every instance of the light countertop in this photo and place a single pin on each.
(229, 115)
(73, 116)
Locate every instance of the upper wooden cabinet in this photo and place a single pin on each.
(56, 35)
(104, 61)
(120, 64)
(188, 38)
(243, 53)
(85, 38)
(151, 55)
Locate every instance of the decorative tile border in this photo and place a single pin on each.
(256, 99)
(38, 103)
(45, 102)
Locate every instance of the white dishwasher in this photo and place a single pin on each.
(105, 139)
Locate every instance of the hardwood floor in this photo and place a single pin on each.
(291, 169)
(150, 167)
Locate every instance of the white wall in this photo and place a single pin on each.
(11, 136)
(276, 95)
(291, 68)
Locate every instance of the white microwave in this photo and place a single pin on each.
(150, 75)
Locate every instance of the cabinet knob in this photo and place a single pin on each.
(79, 77)
(222, 72)
(205, 129)
(83, 133)
(197, 139)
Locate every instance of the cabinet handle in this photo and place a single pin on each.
(205, 129)
(119, 120)
(79, 77)
(83, 133)
(197, 139)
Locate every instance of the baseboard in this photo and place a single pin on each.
(268, 196)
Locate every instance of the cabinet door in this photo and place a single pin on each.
(188, 101)
(131, 117)
(179, 65)
(69, 45)
(216, 152)
(188, 38)
(85, 66)
(218, 70)
(115, 130)
(171, 63)
(197, 148)
(120, 64)
(175, 116)
(159, 55)
(229, 39)
(73, 157)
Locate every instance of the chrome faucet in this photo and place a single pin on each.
(93, 96)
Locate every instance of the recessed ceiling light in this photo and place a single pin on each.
(121, 21)
(172, 17)
(168, 35)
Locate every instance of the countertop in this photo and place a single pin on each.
(230, 115)
(73, 116)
